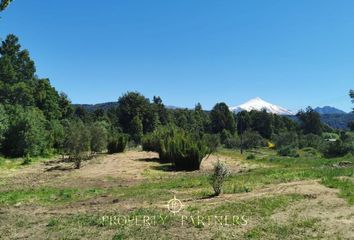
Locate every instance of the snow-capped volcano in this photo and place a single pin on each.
(259, 104)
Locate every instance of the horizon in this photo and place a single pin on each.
(293, 55)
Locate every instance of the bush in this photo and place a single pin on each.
(25, 134)
(218, 177)
(151, 142)
(252, 140)
(288, 151)
(224, 135)
(311, 140)
(98, 134)
(286, 139)
(337, 149)
(117, 144)
(233, 142)
(182, 149)
(309, 152)
(77, 142)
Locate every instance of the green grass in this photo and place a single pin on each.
(257, 207)
(345, 186)
(47, 196)
(17, 163)
(284, 169)
(294, 229)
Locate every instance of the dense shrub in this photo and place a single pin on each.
(151, 142)
(252, 140)
(288, 150)
(309, 152)
(286, 139)
(225, 135)
(77, 142)
(233, 142)
(311, 140)
(99, 134)
(337, 149)
(218, 177)
(184, 152)
(117, 144)
(25, 134)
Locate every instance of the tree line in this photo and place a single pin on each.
(37, 120)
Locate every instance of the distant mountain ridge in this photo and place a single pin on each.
(329, 110)
(259, 104)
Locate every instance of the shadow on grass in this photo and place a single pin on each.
(164, 167)
(60, 168)
(149, 160)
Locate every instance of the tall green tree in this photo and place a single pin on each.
(221, 118)
(310, 121)
(159, 108)
(261, 121)
(131, 105)
(26, 133)
(243, 124)
(77, 141)
(99, 137)
(136, 129)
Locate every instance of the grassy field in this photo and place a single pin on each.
(125, 196)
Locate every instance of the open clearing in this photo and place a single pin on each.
(280, 198)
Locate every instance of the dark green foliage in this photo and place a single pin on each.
(311, 140)
(151, 142)
(232, 142)
(4, 122)
(34, 107)
(77, 142)
(99, 134)
(26, 133)
(178, 147)
(224, 135)
(337, 149)
(117, 144)
(351, 126)
(243, 122)
(159, 108)
(184, 152)
(222, 119)
(252, 140)
(135, 113)
(251, 157)
(56, 134)
(288, 150)
(136, 129)
(4, 4)
(286, 139)
(310, 121)
(261, 122)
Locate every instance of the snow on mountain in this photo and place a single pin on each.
(259, 104)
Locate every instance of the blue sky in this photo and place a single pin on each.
(290, 53)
